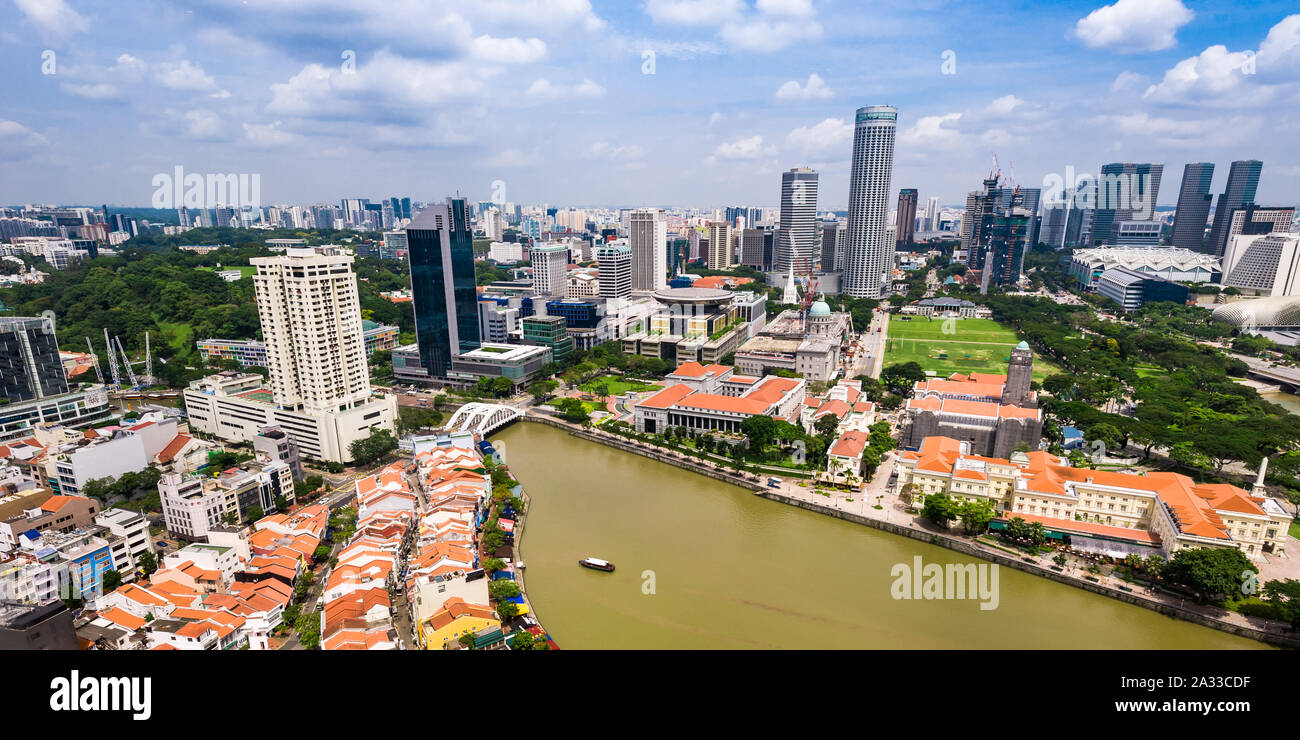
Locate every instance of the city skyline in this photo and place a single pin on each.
(364, 106)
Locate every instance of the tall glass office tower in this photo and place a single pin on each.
(1243, 179)
(1193, 206)
(1125, 191)
(29, 360)
(867, 255)
(797, 234)
(440, 248)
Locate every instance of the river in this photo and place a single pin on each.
(732, 570)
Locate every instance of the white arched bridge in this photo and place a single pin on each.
(483, 418)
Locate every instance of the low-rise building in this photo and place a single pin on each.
(680, 405)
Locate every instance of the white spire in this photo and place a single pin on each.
(791, 294)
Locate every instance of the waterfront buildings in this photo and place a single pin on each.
(32, 382)
(796, 234)
(1243, 180)
(520, 363)
(441, 253)
(319, 379)
(1106, 512)
(867, 258)
(648, 240)
(1263, 265)
(737, 398)
(698, 324)
(1193, 212)
(992, 413)
(549, 332)
(845, 402)
(810, 346)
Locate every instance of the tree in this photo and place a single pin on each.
(148, 563)
(503, 589)
(1154, 565)
(571, 409)
(522, 640)
(908, 493)
(308, 627)
(1216, 572)
(1059, 558)
(492, 565)
(254, 513)
(111, 580)
(1285, 598)
(940, 509)
(760, 430)
(372, 448)
(507, 610)
(98, 488)
(975, 516)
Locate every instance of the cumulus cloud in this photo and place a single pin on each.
(508, 50)
(606, 150)
(108, 83)
(183, 75)
(814, 89)
(1236, 78)
(692, 12)
(770, 26)
(54, 18)
(1133, 25)
(742, 149)
(267, 135)
(831, 137)
(1004, 105)
(544, 88)
(386, 83)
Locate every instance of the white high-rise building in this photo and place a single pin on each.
(550, 269)
(648, 238)
(932, 213)
(796, 244)
(311, 324)
(719, 245)
(614, 260)
(867, 253)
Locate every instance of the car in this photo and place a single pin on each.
(162, 543)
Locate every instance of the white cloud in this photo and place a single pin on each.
(1125, 81)
(763, 35)
(1236, 78)
(14, 133)
(815, 89)
(204, 125)
(267, 135)
(508, 50)
(1134, 25)
(713, 119)
(934, 133)
(742, 149)
(183, 75)
(1212, 72)
(792, 8)
(53, 17)
(91, 90)
(1004, 105)
(831, 137)
(385, 82)
(544, 88)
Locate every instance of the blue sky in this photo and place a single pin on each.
(552, 97)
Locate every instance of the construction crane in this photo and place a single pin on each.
(112, 360)
(148, 362)
(135, 384)
(94, 358)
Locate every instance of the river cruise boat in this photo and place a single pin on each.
(597, 564)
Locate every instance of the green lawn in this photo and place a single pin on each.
(616, 385)
(1295, 528)
(588, 406)
(957, 346)
(183, 336)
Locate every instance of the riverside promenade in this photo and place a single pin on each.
(892, 517)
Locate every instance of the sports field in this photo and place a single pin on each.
(949, 346)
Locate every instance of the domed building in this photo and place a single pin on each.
(810, 346)
(1275, 312)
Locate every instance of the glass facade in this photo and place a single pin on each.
(441, 253)
(29, 360)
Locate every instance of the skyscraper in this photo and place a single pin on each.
(1243, 179)
(833, 234)
(866, 255)
(932, 213)
(756, 248)
(311, 324)
(614, 260)
(29, 360)
(797, 231)
(648, 238)
(720, 257)
(1193, 206)
(550, 269)
(1125, 192)
(905, 223)
(440, 248)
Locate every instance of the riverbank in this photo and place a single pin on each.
(1232, 623)
(521, 526)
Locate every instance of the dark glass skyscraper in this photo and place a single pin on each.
(440, 248)
(29, 360)
(1243, 179)
(1193, 206)
(1125, 192)
(905, 220)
